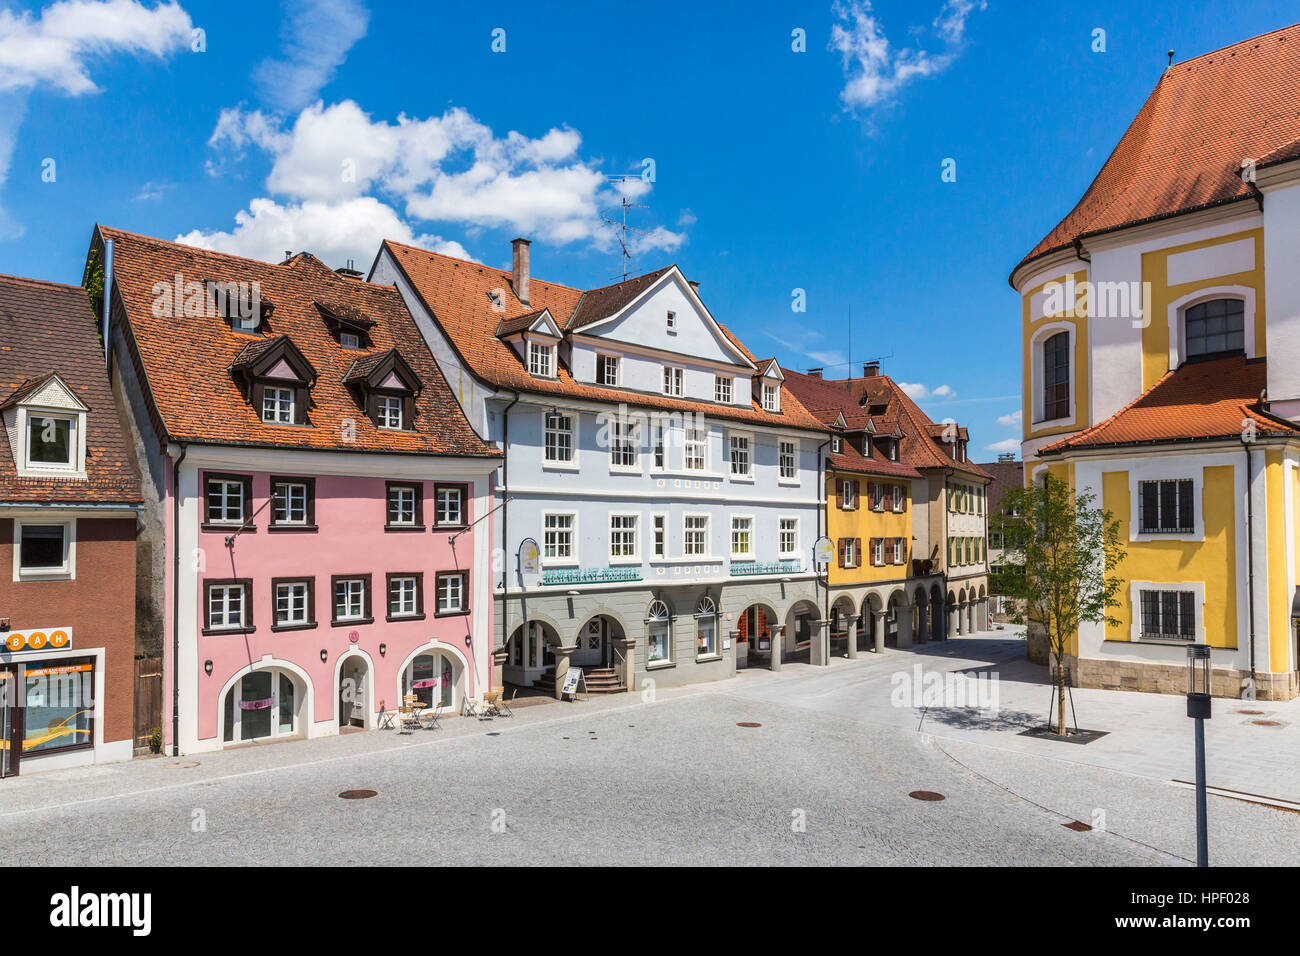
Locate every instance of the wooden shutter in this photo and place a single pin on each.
(839, 492)
(857, 548)
(840, 547)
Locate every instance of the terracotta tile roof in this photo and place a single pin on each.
(1184, 149)
(852, 460)
(922, 446)
(48, 329)
(1006, 475)
(186, 361)
(458, 293)
(601, 303)
(1198, 401)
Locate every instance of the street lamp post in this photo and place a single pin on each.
(1198, 708)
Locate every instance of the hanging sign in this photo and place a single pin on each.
(824, 550)
(529, 556)
(37, 639)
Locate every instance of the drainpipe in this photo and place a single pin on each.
(505, 523)
(108, 289)
(822, 504)
(1250, 561)
(176, 598)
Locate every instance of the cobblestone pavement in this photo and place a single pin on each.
(825, 779)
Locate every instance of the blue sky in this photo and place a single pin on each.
(326, 124)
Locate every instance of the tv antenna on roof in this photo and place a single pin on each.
(622, 228)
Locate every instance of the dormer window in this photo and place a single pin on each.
(278, 406)
(607, 370)
(389, 412)
(541, 359)
(276, 380)
(47, 428)
(349, 340)
(348, 324)
(387, 389)
(836, 444)
(51, 440)
(771, 398)
(239, 303)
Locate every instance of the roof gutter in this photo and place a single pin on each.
(176, 597)
(505, 519)
(1250, 558)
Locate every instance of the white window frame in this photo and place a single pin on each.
(747, 451)
(707, 554)
(670, 321)
(781, 533)
(245, 597)
(701, 444)
(878, 552)
(849, 487)
(1178, 325)
(401, 490)
(571, 463)
(837, 445)
(626, 445)
(414, 596)
(1041, 335)
(1135, 610)
(291, 595)
(900, 499)
(604, 362)
(279, 405)
(557, 559)
(659, 524)
(707, 610)
(667, 621)
(851, 557)
(289, 487)
(459, 492)
(633, 536)
(724, 389)
(388, 409)
(462, 592)
(781, 477)
(748, 529)
(541, 359)
(360, 595)
(774, 392)
(76, 442)
(67, 571)
(674, 381)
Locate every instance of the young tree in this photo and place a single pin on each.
(1060, 555)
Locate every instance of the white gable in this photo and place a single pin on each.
(54, 394)
(644, 323)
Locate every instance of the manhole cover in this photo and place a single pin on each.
(1077, 826)
(748, 723)
(182, 765)
(1252, 713)
(1266, 723)
(358, 794)
(927, 795)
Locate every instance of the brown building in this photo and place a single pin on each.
(69, 501)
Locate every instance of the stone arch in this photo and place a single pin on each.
(465, 678)
(797, 626)
(305, 709)
(368, 693)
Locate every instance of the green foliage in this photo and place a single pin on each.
(156, 740)
(95, 288)
(1060, 555)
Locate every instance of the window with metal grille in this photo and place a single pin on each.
(1168, 615)
(1215, 327)
(1165, 507)
(1056, 376)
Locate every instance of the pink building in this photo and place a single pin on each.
(317, 533)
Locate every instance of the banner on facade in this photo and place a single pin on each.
(529, 556)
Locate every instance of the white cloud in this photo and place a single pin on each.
(447, 169)
(918, 392)
(1011, 420)
(52, 49)
(333, 232)
(874, 70)
(1007, 445)
(317, 37)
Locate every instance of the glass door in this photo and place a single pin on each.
(8, 713)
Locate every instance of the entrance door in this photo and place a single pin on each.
(260, 705)
(11, 723)
(352, 693)
(591, 644)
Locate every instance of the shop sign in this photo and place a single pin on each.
(529, 556)
(37, 639)
(262, 704)
(427, 682)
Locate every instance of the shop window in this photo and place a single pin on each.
(432, 679)
(60, 699)
(706, 628)
(658, 634)
(260, 705)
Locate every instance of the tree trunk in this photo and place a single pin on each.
(1060, 697)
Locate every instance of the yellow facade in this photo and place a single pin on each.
(1212, 561)
(864, 523)
(1155, 270)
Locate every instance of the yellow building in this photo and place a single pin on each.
(1161, 351)
(905, 513)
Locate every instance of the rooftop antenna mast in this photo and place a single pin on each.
(622, 228)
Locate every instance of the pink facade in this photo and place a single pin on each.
(350, 540)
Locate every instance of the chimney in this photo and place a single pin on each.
(694, 284)
(519, 268)
(870, 369)
(815, 372)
